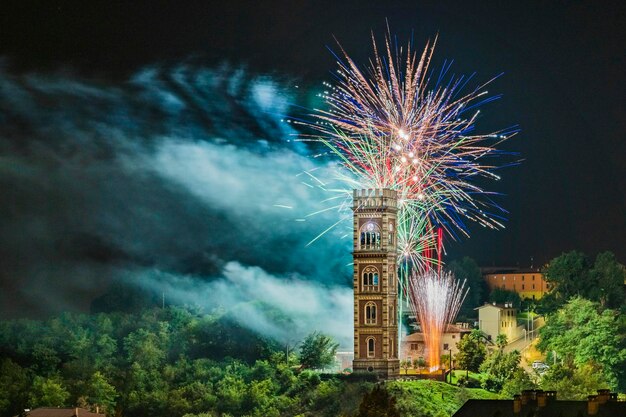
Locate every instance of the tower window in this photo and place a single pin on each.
(371, 347)
(369, 237)
(370, 313)
(370, 278)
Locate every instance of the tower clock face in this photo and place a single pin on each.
(370, 227)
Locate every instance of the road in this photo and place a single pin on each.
(523, 345)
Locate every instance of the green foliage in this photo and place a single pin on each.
(610, 277)
(501, 296)
(466, 268)
(425, 398)
(14, 385)
(499, 367)
(101, 393)
(405, 364)
(572, 275)
(581, 334)
(519, 382)
(472, 351)
(317, 351)
(378, 403)
(419, 363)
(573, 383)
(501, 341)
(48, 392)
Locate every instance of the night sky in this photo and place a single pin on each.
(145, 140)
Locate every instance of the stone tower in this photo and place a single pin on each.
(375, 282)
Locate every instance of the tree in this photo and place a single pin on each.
(610, 276)
(582, 334)
(14, 384)
(317, 351)
(573, 383)
(501, 296)
(405, 364)
(467, 269)
(419, 363)
(499, 367)
(48, 392)
(501, 341)
(572, 275)
(472, 351)
(519, 382)
(101, 393)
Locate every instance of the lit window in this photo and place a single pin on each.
(370, 237)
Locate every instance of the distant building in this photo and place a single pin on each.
(344, 360)
(60, 412)
(527, 283)
(544, 403)
(413, 346)
(495, 319)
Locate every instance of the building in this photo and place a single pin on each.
(495, 319)
(374, 282)
(544, 403)
(413, 346)
(344, 360)
(527, 283)
(60, 412)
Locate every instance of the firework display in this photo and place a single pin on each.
(399, 125)
(436, 298)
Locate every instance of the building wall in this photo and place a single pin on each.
(495, 320)
(413, 346)
(526, 284)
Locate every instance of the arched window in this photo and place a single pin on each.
(391, 235)
(369, 236)
(371, 347)
(370, 313)
(370, 278)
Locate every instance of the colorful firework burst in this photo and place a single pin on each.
(398, 125)
(391, 129)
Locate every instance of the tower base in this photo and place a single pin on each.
(384, 368)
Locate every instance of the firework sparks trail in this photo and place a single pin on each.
(436, 299)
(398, 125)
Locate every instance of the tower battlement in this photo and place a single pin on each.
(374, 198)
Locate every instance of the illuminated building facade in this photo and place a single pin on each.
(527, 283)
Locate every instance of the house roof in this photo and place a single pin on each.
(555, 408)
(419, 336)
(498, 306)
(62, 412)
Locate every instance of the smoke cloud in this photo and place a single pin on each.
(184, 177)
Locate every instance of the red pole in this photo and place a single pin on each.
(439, 245)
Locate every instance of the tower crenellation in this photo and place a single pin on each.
(374, 282)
